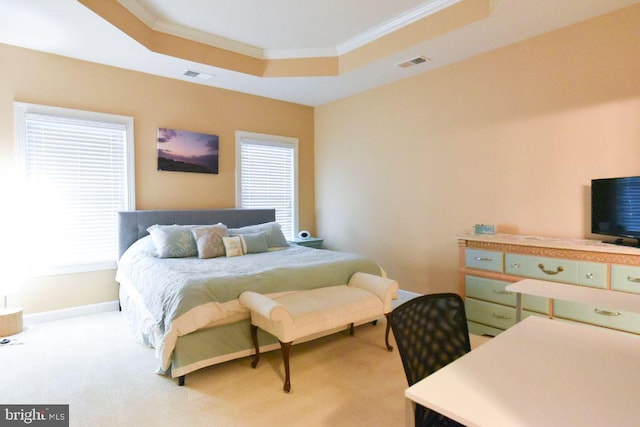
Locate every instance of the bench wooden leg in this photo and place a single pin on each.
(286, 349)
(181, 380)
(386, 334)
(351, 329)
(254, 338)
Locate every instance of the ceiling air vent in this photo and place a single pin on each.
(197, 75)
(414, 61)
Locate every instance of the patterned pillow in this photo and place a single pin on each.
(173, 241)
(272, 231)
(232, 246)
(209, 240)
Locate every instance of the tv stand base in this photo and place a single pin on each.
(622, 242)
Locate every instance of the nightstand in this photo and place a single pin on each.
(310, 242)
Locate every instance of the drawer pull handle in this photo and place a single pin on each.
(606, 312)
(479, 258)
(502, 316)
(590, 275)
(502, 292)
(550, 272)
(515, 265)
(633, 279)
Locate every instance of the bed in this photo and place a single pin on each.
(187, 307)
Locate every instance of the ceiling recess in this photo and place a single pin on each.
(414, 61)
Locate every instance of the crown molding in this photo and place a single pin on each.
(208, 38)
(374, 33)
(139, 11)
(388, 27)
(299, 53)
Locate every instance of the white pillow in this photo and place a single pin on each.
(232, 246)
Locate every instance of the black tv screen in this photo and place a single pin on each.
(615, 207)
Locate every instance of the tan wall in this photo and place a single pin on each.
(512, 137)
(153, 102)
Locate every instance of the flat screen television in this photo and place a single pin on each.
(615, 208)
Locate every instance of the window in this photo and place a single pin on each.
(267, 176)
(78, 170)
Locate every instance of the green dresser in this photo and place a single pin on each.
(488, 263)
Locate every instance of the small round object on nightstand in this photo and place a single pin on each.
(304, 234)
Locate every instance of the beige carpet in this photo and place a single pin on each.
(108, 379)
(91, 364)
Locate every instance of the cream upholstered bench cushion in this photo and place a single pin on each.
(304, 313)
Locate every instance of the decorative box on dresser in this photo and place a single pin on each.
(488, 263)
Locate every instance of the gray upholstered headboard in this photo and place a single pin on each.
(132, 225)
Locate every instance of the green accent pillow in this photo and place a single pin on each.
(253, 243)
(272, 231)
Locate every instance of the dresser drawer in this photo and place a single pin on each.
(516, 264)
(625, 278)
(492, 290)
(490, 314)
(553, 269)
(593, 274)
(483, 260)
(489, 290)
(615, 319)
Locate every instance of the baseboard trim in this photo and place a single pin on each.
(67, 313)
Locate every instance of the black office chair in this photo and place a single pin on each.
(431, 332)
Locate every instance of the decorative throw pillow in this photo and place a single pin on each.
(232, 246)
(173, 241)
(272, 231)
(209, 240)
(253, 243)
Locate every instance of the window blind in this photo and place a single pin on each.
(268, 179)
(77, 176)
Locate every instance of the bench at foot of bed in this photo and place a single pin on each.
(304, 313)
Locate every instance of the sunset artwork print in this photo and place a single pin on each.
(184, 151)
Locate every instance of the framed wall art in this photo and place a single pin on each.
(184, 151)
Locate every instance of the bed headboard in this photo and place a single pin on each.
(132, 225)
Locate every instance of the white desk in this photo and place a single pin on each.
(540, 372)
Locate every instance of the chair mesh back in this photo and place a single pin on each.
(431, 332)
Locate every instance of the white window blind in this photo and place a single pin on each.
(267, 177)
(79, 173)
